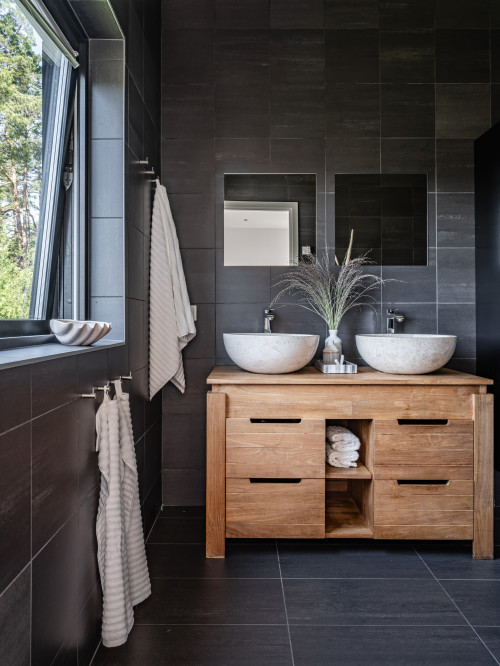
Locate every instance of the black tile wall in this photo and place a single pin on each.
(50, 598)
(340, 86)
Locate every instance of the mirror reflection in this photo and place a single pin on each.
(269, 219)
(388, 213)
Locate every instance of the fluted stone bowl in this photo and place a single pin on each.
(406, 354)
(271, 353)
(78, 333)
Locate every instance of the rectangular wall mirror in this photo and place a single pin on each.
(388, 213)
(269, 219)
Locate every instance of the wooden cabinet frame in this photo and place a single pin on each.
(369, 395)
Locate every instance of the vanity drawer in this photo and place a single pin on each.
(424, 442)
(275, 508)
(423, 509)
(275, 448)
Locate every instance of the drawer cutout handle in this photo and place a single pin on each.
(275, 420)
(429, 422)
(271, 480)
(420, 482)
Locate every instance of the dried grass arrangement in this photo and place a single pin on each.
(327, 291)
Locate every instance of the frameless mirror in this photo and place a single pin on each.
(269, 219)
(388, 214)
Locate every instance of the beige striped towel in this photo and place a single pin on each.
(171, 324)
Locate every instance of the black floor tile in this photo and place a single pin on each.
(377, 560)
(491, 636)
(369, 602)
(213, 601)
(189, 561)
(200, 646)
(479, 600)
(178, 530)
(388, 646)
(459, 563)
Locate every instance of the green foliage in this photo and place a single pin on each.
(20, 158)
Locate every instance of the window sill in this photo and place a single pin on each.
(11, 358)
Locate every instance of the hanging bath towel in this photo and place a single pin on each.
(171, 324)
(117, 612)
(140, 586)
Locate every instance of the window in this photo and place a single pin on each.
(37, 89)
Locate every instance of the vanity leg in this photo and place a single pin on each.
(216, 475)
(483, 548)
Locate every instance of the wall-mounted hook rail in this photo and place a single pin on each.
(94, 389)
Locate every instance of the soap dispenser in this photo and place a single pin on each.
(330, 355)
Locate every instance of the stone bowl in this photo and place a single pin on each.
(406, 354)
(271, 353)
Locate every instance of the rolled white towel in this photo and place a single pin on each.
(341, 459)
(345, 446)
(342, 439)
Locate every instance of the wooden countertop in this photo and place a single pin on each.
(365, 375)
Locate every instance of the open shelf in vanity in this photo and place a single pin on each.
(424, 469)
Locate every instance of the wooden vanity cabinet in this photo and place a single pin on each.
(425, 469)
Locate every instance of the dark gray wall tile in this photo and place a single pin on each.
(188, 166)
(88, 575)
(136, 262)
(199, 267)
(297, 112)
(244, 14)
(351, 155)
(461, 14)
(462, 56)
(188, 56)
(241, 60)
(53, 383)
(238, 318)
(462, 111)
(184, 442)
(406, 57)
(88, 470)
(89, 627)
(407, 15)
(234, 155)
(352, 110)
(455, 275)
(55, 598)
(241, 112)
(15, 388)
(241, 284)
(495, 56)
(407, 110)
(187, 111)
(410, 284)
(193, 401)
(194, 216)
(409, 156)
(183, 487)
(152, 456)
(297, 156)
(303, 14)
(352, 56)
(495, 104)
(15, 620)
(187, 14)
(455, 220)
(136, 335)
(459, 321)
(15, 508)
(455, 165)
(353, 15)
(54, 471)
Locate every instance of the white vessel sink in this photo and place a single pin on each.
(270, 353)
(403, 354)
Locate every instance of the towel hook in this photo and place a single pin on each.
(94, 389)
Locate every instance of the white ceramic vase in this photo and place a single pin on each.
(334, 341)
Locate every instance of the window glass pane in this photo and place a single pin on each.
(34, 89)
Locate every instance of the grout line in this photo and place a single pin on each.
(284, 603)
(154, 523)
(294, 624)
(454, 603)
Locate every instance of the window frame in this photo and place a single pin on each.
(16, 333)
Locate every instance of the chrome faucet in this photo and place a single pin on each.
(394, 317)
(268, 317)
